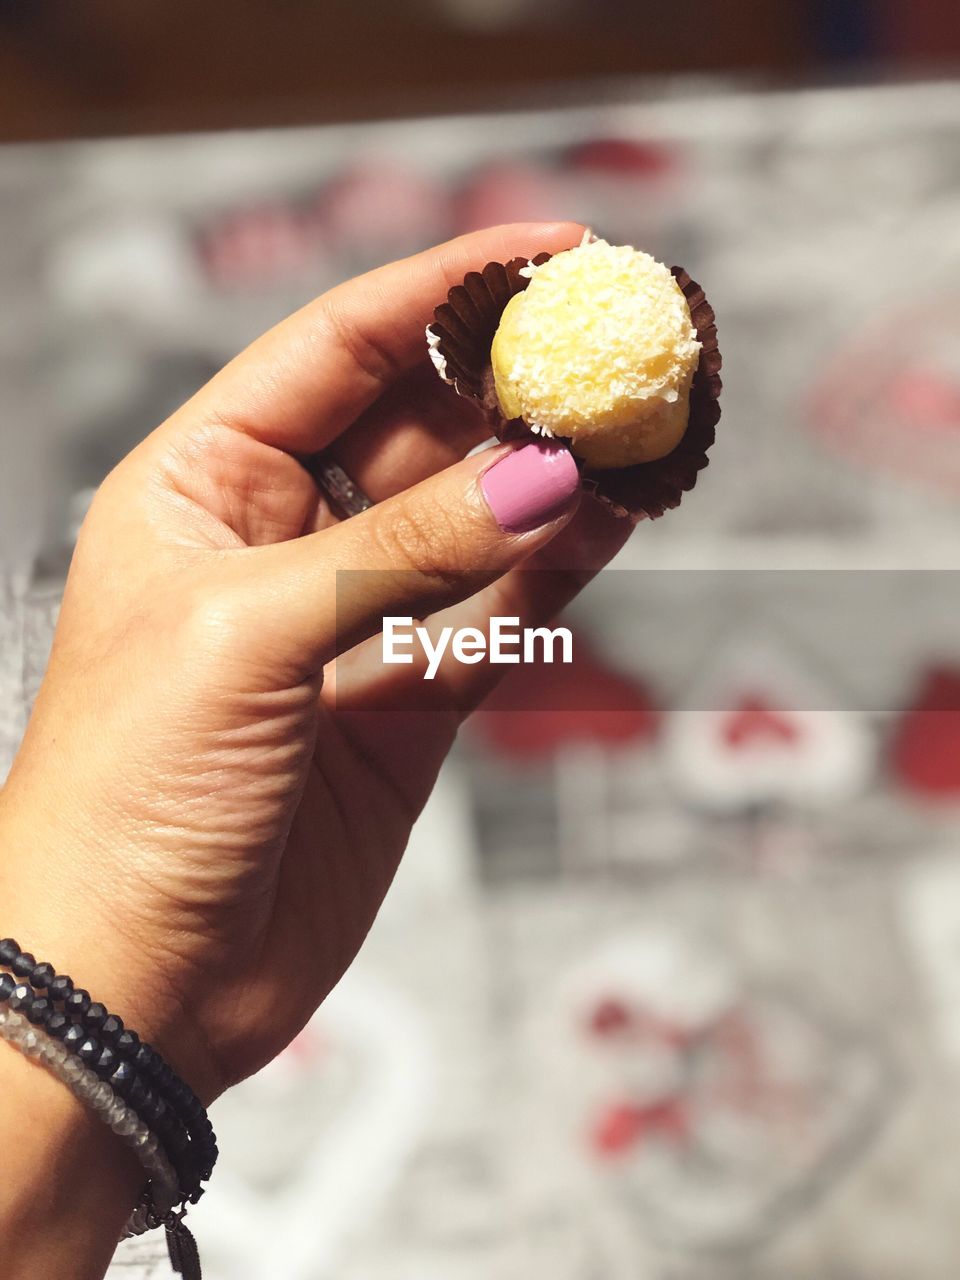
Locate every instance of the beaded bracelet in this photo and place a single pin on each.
(118, 1046)
(173, 1139)
(110, 1046)
(94, 1093)
(84, 1050)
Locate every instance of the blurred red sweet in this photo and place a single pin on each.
(928, 397)
(761, 729)
(612, 1018)
(902, 415)
(379, 208)
(622, 158)
(625, 1125)
(258, 245)
(535, 710)
(512, 192)
(754, 720)
(609, 1016)
(925, 750)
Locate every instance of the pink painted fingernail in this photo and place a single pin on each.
(530, 486)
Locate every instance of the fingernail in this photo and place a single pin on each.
(530, 486)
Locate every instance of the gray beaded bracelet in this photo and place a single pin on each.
(156, 1206)
(134, 1070)
(163, 1121)
(93, 1092)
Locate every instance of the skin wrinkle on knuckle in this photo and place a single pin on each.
(413, 538)
(239, 396)
(371, 357)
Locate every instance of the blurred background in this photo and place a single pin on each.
(669, 985)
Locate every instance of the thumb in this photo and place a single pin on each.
(422, 550)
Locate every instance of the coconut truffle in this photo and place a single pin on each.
(600, 350)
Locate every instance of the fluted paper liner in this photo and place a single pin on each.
(460, 339)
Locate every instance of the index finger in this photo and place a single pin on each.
(304, 381)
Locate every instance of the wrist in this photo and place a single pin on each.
(59, 913)
(68, 1183)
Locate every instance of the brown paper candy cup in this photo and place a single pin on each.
(460, 339)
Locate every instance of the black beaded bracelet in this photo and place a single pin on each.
(74, 1037)
(125, 1080)
(160, 1097)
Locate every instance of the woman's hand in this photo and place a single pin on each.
(202, 821)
